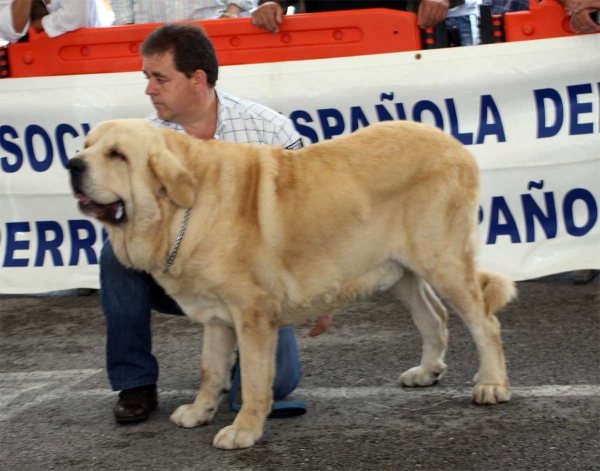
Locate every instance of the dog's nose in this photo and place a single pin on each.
(76, 167)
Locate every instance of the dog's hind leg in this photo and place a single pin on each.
(217, 346)
(462, 286)
(430, 317)
(256, 328)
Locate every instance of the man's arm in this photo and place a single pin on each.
(233, 8)
(73, 15)
(14, 19)
(20, 14)
(123, 10)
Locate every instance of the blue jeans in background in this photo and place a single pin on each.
(467, 28)
(127, 297)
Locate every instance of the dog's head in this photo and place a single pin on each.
(124, 168)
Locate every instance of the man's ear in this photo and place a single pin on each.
(176, 180)
(199, 79)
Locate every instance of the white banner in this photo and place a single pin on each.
(528, 111)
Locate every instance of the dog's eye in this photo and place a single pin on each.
(115, 154)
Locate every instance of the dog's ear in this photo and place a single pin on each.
(176, 180)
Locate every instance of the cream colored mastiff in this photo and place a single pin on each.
(275, 237)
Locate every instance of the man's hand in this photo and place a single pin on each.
(580, 12)
(582, 22)
(268, 16)
(432, 12)
(321, 325)
(575, 6)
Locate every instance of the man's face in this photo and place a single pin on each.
(173, 95)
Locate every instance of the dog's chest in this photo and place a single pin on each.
(204, 310)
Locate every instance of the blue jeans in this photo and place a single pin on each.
(466, 27)
(127, 297)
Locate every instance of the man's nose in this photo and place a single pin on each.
(150, 89)
(76, 166)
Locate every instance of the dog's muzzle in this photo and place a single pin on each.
(111, 213)
(76, 166)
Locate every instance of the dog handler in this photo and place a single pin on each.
(181, 66)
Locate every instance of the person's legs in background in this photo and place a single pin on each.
(467, 28)
(474, 20)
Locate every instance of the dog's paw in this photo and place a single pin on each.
(233, 438)
(419, 376)
(490, 393)
(188, 416)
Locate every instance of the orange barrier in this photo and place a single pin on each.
(543, 20)
(3, 61)
(497, 27)
(435, 38)
(237, 41)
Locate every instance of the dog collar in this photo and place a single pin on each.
(182, 229)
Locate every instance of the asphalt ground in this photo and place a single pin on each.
(55, 404)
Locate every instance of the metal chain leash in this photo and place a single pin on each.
(182, 229)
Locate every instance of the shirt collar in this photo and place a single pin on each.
(220, 116)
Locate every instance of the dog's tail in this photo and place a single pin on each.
(498, 290)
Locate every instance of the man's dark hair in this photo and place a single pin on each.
(191, 48)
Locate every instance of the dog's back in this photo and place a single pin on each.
(385, 187)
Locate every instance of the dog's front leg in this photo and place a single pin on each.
(257, 340)
(217, 347)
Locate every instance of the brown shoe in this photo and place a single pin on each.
(135, 404)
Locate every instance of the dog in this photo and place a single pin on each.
(268, 237)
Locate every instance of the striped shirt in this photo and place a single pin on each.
(500, 7)
(166, 11)
(470, 7)
(244, 121)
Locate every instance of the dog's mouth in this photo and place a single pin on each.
(111, 213)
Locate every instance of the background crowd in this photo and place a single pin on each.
(57, 17)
